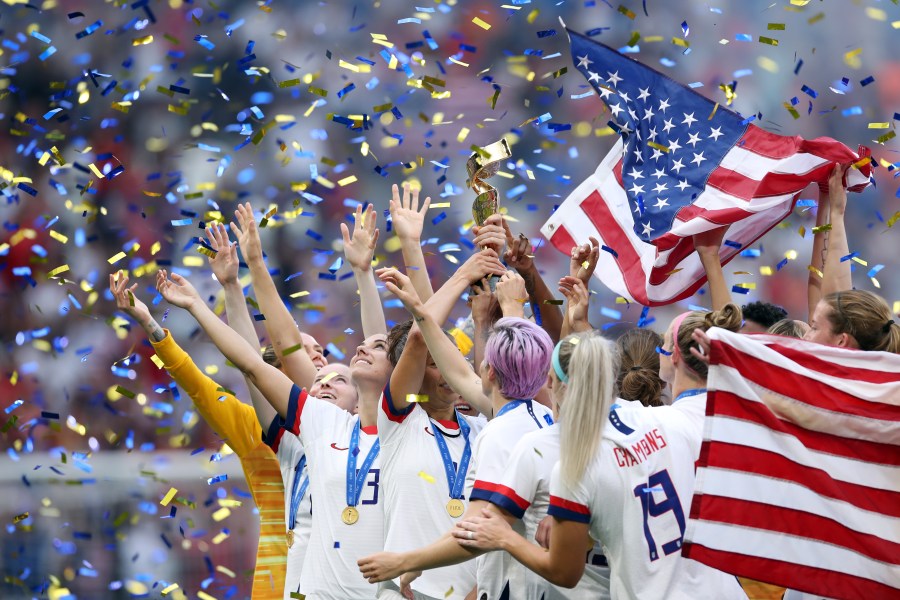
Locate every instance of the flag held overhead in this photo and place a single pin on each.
(680, 167)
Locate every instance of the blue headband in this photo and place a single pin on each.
(560, 374)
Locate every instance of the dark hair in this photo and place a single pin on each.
(270, 357)
(397, 337)
(396, 340)
(763, 313)
(865, 316)
(638, 377)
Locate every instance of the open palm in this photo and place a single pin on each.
(360, 248)
(177, 291)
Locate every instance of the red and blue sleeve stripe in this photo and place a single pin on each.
(566, 510)
(272, 436)
(483, 490)
(387, 405)
(507, 499)
(295, 409)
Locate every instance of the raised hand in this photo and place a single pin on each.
(360, 249)
(126, 301)
(225, 263)
(584, 260)
(578, 301)
(709, 242)
(482, 301)
(517, 250)
(247, 233)
(511, 294)
(400, 285)
(480, 265)
(406, 215)
(177, 291)
(491, 234)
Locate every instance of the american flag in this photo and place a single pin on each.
(798, 482)
(683, 165)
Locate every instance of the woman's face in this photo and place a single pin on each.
(334, 384)
(370, 363)
(820, 328)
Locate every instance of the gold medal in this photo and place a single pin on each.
(290, 538)
(350, 515)
(456, 508)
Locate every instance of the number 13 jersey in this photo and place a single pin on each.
(636, 497)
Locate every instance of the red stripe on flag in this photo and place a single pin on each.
(772, 184)
(744, 513)
(745, 459)
(798, 577)
(562, 240)
(726, 404)
(771, 145)
(786, 382)
(629, 260)
(837, 369)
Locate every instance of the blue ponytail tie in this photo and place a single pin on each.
(560, 374)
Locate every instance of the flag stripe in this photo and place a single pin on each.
(787, 382)
(798, 550)
(742, 458)
(798, 577)
(745, 513)
(862, 451)
(779, 492)
(862, 371)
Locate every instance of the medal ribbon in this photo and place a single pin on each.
(355, 478)
(512, 405)
(455, 480)
(298, 490)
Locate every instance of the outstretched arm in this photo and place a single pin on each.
(707, 245)
(446, 355)
(359, 251)
(562, 565)
(836, 274)
(820, 242)
(442, 552)
(225, 267)
(274, 384)
(280, 326)
(408, 220)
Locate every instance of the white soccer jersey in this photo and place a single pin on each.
(499, 576)
(330, 571)
(524, 492)
(291, 455)
(416, 490)
(636, 497)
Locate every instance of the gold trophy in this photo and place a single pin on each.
(482, 164)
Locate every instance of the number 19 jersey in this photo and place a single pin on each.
(636, 497)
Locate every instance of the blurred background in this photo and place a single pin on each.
(129, 126)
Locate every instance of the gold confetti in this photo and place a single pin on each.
(424, 476)
(416, 398)
(114, 259)
(482, 24)
(168, 497)
(142, 41)
(221, 514)
(58, 270)
(167, 590)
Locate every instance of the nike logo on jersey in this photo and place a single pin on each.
(446, 433)
(335, 447)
